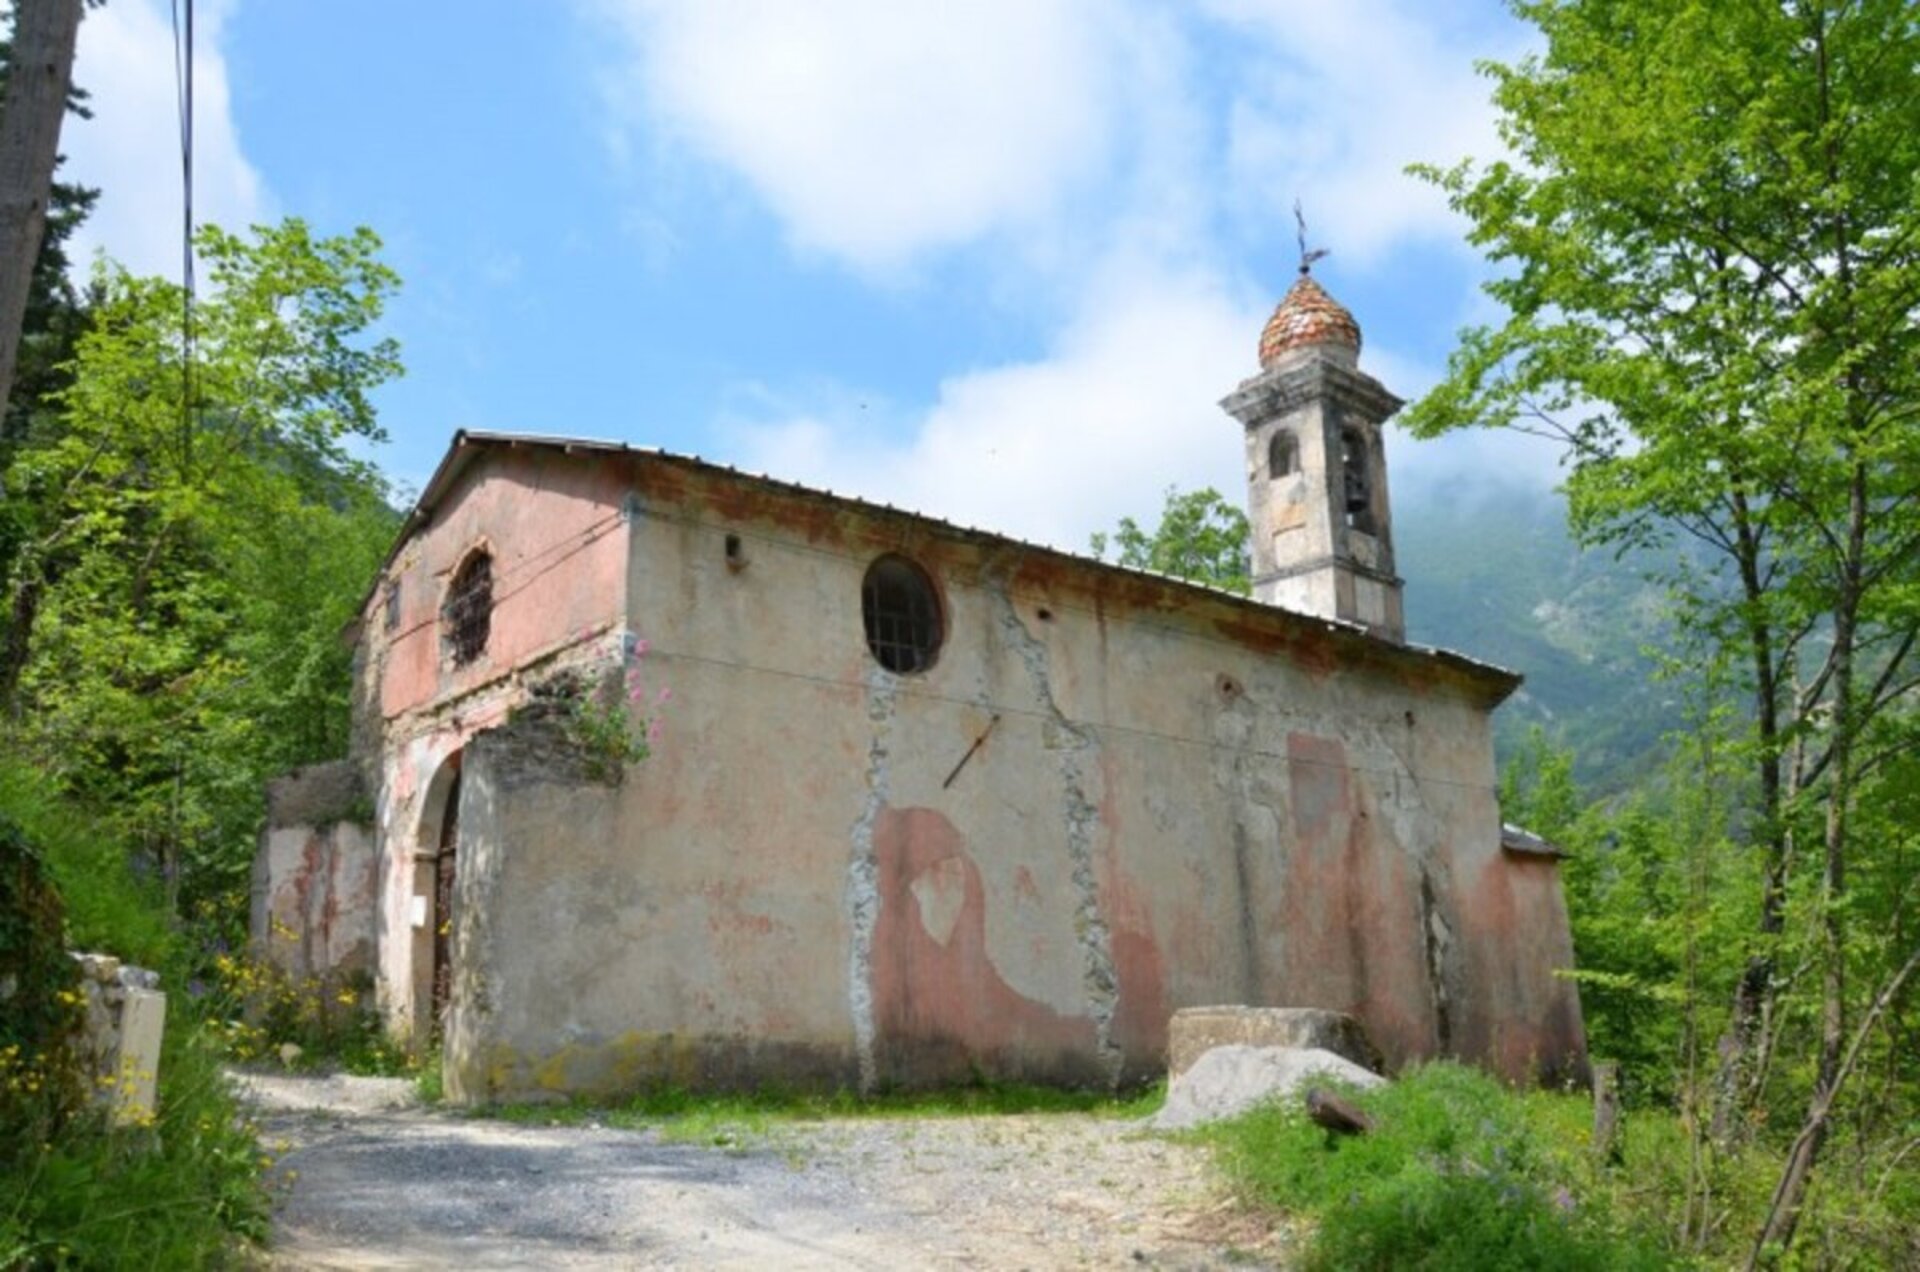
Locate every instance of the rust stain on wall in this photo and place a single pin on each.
(1140, 1014)
(940, 1005)
(1349, 946)
(1515, 905)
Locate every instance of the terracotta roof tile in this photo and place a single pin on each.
(1306, 315)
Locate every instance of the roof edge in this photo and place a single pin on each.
(1495, 683)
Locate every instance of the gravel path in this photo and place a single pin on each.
(371, 1182)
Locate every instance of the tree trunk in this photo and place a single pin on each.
(1734, 1084)
(44, 35)
(1783, 1214)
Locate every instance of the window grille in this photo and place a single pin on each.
(469, 610)
(902, 615)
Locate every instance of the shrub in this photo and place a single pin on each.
(1440, 1220)
(1459, 1172)
(175, 1193)
(41, 1083)
(74, 1190)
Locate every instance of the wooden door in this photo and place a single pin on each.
(443, 876)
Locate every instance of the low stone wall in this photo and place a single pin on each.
(126, 1018)
(314, 878)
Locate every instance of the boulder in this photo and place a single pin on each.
(1227, 1081)
(1193, 1031)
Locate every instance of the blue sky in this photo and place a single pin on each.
(993, 260)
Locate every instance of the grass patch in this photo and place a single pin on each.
(184, 1190)
(179, 1193)
(728, 1120)
(107, 908)
(1460, 1172)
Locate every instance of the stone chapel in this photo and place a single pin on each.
(921, 802)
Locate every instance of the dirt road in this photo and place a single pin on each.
(371, 1182)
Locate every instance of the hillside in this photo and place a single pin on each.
(1495, 575)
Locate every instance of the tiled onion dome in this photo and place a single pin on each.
(1306, 315)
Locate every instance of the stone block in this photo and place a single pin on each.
(143, 1016)
(1194, 1031)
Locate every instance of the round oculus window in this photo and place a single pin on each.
(902, 615)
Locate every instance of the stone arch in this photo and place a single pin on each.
(1283, 453)
(1356, 473)
(435, 864)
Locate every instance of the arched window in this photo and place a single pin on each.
(1357, 479)
(902, 615)
(467, 616)
(1283, 454)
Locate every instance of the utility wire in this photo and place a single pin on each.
(183, 89)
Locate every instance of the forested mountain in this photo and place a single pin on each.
(1494, 574)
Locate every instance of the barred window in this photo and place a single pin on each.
(468, 615)
(902, 615)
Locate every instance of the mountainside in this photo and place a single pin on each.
(1494, 574)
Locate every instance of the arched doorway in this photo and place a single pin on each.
(436, 873)
(443, 868)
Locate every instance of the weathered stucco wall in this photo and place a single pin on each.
(555, 526)
(315, 876)
(1179, 801)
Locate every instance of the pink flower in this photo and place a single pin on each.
(661, 701)
(640, 648)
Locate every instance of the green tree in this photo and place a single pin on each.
(1711, 247)
(197, 557)
(1200, 537)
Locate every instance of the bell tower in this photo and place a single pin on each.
(1316, 466)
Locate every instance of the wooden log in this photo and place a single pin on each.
(1335, 1114)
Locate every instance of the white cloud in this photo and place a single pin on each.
(1118, 164)
(1122, 405)
(1348, 93)
(130, 149)
(877, 130)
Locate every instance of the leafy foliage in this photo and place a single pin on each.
(618, 725)
(1200, 537)
(73, 1190)
(41, 1086)
(174, 1194)
(189, 571)
(1712, 249)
